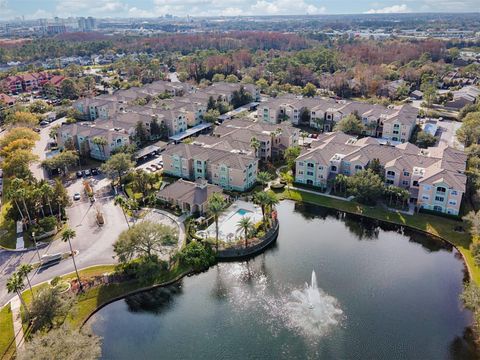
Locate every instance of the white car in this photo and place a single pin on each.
(76, 196)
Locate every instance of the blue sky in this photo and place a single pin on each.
(152, 8)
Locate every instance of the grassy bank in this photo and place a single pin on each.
(6, 332)
(8, 236)
(431, 224)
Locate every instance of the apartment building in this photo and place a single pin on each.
(224, 91)
(435, 176)
(237, 134)
(229, 170)
(26, 82)
(395, 123)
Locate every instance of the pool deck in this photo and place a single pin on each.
(228, 221)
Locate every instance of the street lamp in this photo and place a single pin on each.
(36, 246)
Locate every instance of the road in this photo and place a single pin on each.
(93, 243)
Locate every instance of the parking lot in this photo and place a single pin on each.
(152, 164)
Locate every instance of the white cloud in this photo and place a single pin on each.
(285, 7)
(394, 9)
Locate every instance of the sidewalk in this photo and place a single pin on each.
(15, 305)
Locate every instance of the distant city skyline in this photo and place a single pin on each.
(34, 9)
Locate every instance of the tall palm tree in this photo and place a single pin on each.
(22, 193)
(48, 193)
(261, 199)
(15, 285)
(255, 145)
(14, 195)
(67, 235)
(271, 201)
(23, 270)
(215, 207)
(100, 142)
(123, 203)
(264, 177)
(287, 177)
(245, 224)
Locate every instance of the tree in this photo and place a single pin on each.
(211, 116)
(18, 164)
(340, 183)
(158, 131)
(15, 285)
(262, 84)
(218, 78)
(469, 131)
(473, 220)
(263, 177)
(350, 124)
(309, 90)
(215, 206)
(19, 133)
(141, 135)
(62, 160)
(23, 270)
(231, 78)
(429, 93)
(69, 89)
(117, 165)
(100, 142)
(68, 235)
(287, 178)
(255, 145)
(271, 201)
(145, 240)
(261, 198)
(366, 186)
(245, 224)
(62, 343)
(290, 155)
(376, 167)
(425, 140)
(47, 308)
(22, 119)
(123, 203)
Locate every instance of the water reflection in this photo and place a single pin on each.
(154, 301)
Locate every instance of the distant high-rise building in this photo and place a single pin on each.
(86, 24)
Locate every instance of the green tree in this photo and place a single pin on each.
(68, 235)
(290, 155)
(263, 177)
(366, 186)
(425, 140)
(123, 203)
(350, 124)
(15, 285)
(218, 78)
(48, 309)
(62, 343)
(62, 160)
(211, 116)
(215, 207)
(245, 224)
(23, 119)
(69, 89)
(469, 131)
(309, 90)
(261, 198)
(141, 135)
(231, 78)
(117, 165)
(287, 178)
(100, 142)
(23, 270)
(255, 145)
(145, 240)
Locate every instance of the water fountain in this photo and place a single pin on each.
(312, 311)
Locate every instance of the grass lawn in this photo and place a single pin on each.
(434, 225)
(7, 334)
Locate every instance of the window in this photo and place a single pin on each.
(310, 165)
(426, 197)
(358, 167)
(452, 202)
(390, 173)
(389, 182)
(199, 162)
(405, 182)
(439, 198)
(300, 172)
(199, 170)
(309, 173)
(454, 192)
(300, 163)
(320, 167)
(441, 190)
(437, 208)
(406, 173)
(333, 168)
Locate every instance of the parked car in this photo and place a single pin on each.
(76, 196)
(156, 167)
(44, 123)
(94, 171)
(88, 172)
(79, 174)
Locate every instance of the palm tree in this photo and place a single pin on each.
(15, 285)
(18, 192)
(303, 135)
(47, 191)
(216, 205)
(100, 142)
(23, 270)
(14, 196)
(67, 235)
(123, 203)
(287, 177)
(271, 201)
(261, 199)
(245, 224)
(263, 177)
(255, 145)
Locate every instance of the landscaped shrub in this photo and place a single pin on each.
(475, 249)
(197, 255)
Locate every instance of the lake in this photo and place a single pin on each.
(379, 292)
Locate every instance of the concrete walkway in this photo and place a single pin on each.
(15, 305)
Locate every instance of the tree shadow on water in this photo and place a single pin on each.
(154, 301)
